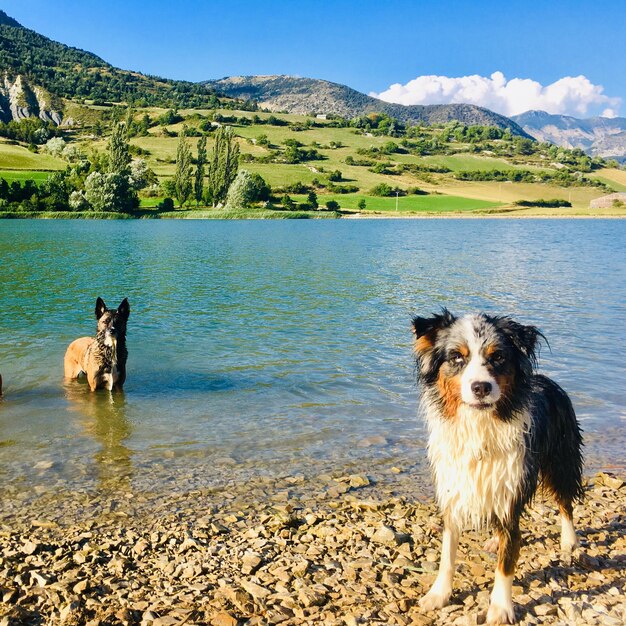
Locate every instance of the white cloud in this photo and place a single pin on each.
(571, 95)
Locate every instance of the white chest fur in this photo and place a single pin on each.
(111, 378)
(478, 464)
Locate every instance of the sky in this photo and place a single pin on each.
(563, 56)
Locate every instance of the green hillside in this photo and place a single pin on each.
(372, 164)
(338, 152)
(73, 73)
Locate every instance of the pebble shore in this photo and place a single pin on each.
(344, 551)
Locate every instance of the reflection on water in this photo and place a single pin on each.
(283, 347)
(102, 416)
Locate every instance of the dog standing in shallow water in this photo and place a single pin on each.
(103, 359)
(497, 430)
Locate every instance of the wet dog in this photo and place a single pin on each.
(103, 358)
(497, 431)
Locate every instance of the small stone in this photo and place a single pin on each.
(80, 587)
(250, 562)
(30, 547)
(224, 619)
(256, 591)
(312, 596)
(609, 480)
(358, 480)
(39, 579)
(384, 534)
(541, 610)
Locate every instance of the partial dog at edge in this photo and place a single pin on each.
(497, 431)
(102, 359)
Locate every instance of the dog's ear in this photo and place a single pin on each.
(426, 329)
(524, 338)
(100, 308)
(124, 308)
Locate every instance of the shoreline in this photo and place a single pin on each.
(377, 216)
(345, 552)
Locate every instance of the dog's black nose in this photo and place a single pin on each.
(480, 390)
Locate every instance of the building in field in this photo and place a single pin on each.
(607, 202)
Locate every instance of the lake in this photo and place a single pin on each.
(283, 348)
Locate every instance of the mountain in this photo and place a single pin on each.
(597, 136)
(31, 64)
(312, 96)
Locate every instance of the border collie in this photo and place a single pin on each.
(497, 431)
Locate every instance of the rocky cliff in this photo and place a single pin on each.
(19, 100)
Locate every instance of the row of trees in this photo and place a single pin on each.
(216, 179)
(213, 175)
(561, 177)
(106, 182)
(31, 130)
(111, 181)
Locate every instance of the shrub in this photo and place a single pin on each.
(335, 177)
(381, 190)
(288, 203)
(167, 204)
(556, 203)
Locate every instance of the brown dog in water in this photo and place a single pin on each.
(103, 359)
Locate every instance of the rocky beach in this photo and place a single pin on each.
(342, 549)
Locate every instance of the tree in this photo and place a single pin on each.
(312, 200)
(183, 176)
(141, 175)
(222, 165)
(362, 204)
(110, 192)
(288, 203)
(261, 189)
(118, 152)
(198, 184)
(77, 201)
(55, 146)
(242, 192)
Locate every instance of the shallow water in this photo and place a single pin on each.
(284, 347)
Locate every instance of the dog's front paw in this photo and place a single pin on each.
(500, 614)
(434, 600)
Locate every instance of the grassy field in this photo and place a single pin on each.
(22, 175)
(14, 157)
(615, 178)
(446, 194)
(412, 204)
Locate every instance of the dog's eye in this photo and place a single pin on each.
(456, 358)
(497, 358)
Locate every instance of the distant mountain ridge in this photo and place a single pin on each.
(305, 96)
(597, 136)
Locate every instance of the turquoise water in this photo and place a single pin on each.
(283, 347)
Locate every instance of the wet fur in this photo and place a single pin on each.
(103, 358)
(489, 454)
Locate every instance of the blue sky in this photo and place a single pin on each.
(366, 45)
